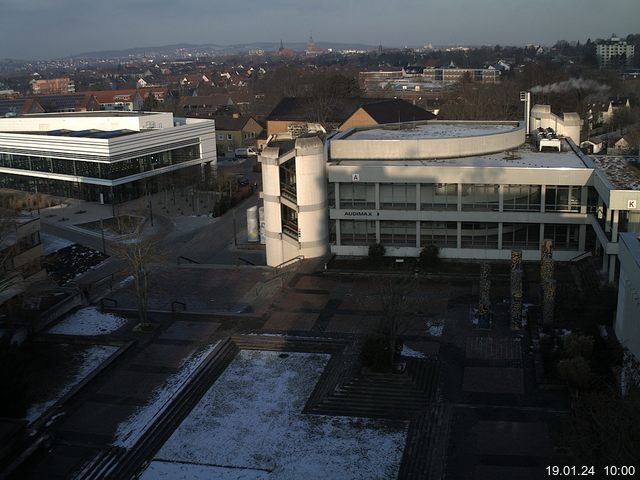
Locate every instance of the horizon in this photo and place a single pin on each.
(70, 29)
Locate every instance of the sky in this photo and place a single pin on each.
(44, 29)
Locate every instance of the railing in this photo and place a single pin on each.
(282, 271)
(582, 256)
(187, 259)
(290, 229)
(288, 192)
(289, 262)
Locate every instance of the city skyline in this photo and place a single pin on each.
(67, 27)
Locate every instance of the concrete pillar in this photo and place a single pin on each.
(337, 194)
(459, 232)
(417, 196)
(541, 235)
(500, 233)
(543, 198)
(584, 194)
(377, 193)
(338, 233)
(605, 260)
(607, 225)
(459, 202)
(612, 268)
(615, 218)
(377, 230)
(271, 198)
(418, 234)
(582, 237)
(501, 199)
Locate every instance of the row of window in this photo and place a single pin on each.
(444, 196)
(107, 171)
(445, 234)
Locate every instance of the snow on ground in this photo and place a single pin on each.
(435, 329)
(130, 431)
(251, 420)
(51, 243)
(88, 321)
(91, 358)
(409, 352)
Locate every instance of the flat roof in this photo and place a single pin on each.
(97, 113)
(524, 157)
(436, 129)
(622, 172)
(89, 133)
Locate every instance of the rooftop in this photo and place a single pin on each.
(97, 113)
(622, 172)
(431, 130)
(524, 157)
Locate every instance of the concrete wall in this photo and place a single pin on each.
(568, 126)
(404, 149)
(627, 323)
(359, 118)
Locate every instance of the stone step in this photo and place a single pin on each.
(425, 451)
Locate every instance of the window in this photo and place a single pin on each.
(564, 237)
(562, 198)
(521, 236)
(480, 197)
(357, 232)
(357, 195)
(398, 196)
(221, 136)
(65, 167)
(331, 195)
(442, 234)
(479, 235)
(229, 136)
(521, 198)
(439, 196)
(398, 234)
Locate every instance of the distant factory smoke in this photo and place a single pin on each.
(571, 84)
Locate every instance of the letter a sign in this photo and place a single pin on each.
(355, 177)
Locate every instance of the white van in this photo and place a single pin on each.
(246, 152)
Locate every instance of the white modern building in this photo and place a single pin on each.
(476, 189)
(102, 156)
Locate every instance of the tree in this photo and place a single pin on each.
(398, 300)
(139, 254)
(150, 103)
(376, 253)
(429, 256)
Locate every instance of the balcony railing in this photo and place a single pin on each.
(290, 229)
(288, 192)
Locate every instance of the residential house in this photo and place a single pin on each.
(52, 86)
(235, 132)
(121, 100)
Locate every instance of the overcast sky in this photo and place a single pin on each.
(41, 29)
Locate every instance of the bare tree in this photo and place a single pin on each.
(139, 253)
(400, 302)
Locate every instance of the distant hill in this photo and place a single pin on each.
(213, 49)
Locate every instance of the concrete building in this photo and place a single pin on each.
(102, 156)
(627, 324)
(476, 189)
(20, 253)
(52, 86)
(614, 52)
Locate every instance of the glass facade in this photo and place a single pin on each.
(439, 196)
(354, 232)
(564, 237)
(398, 196)
(481, 197)
(105, 171)
(358, 195)
(522, 198)
(562, 198)
(479, 235)
(398, 233)
(442, 234)
(524, 236)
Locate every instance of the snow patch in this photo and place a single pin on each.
(130, 431)
(51, 243)
(409, 352)
(91, 358)
(88, 321)
(251, 419)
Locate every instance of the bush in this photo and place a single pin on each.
(578, 346)
(575, 371)
(375, 353)
(429, 256)
(376, 253)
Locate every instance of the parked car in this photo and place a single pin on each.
(246, 152)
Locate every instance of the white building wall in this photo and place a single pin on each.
(627, 323)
